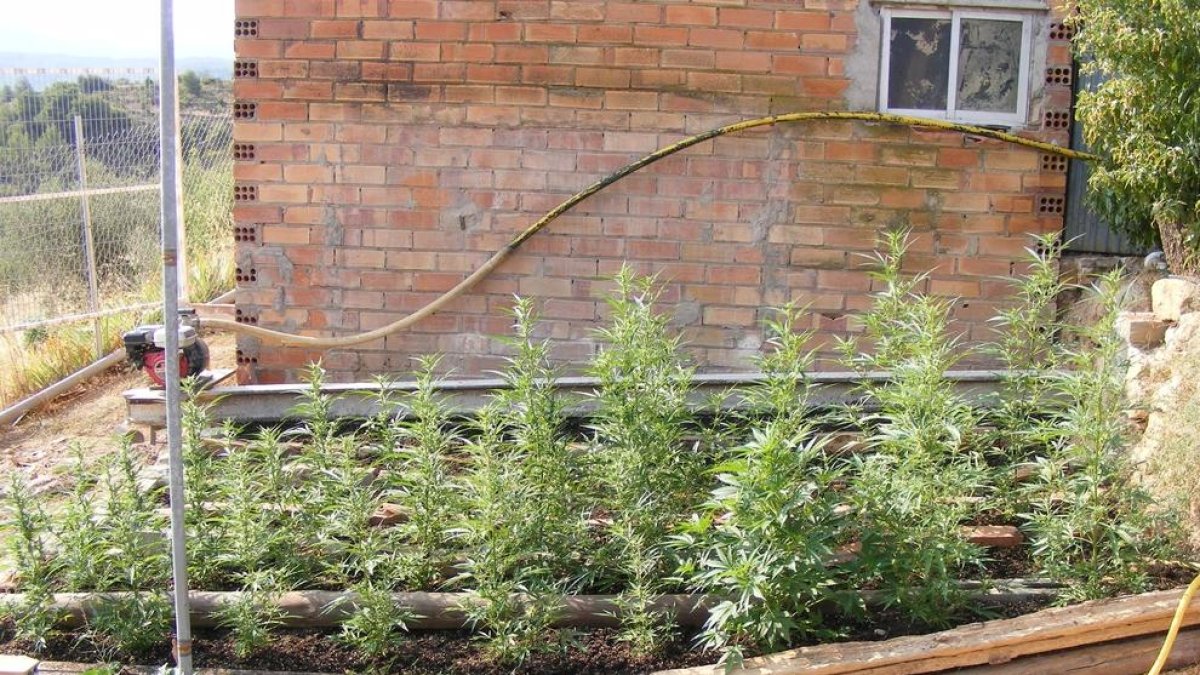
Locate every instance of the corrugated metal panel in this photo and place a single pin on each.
(1084, 231)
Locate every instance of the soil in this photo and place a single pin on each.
(593, 652)
(89, 416)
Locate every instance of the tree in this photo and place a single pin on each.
(1145, 119)
(189, 82)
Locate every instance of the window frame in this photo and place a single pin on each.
(1017, 119)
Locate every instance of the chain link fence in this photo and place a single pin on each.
(79, 199)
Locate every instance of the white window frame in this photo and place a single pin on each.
(1019, 118)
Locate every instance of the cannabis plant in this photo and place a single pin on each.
(255, 613)
(25, 534)
(376, 622)
(1091, 527)
(913, 490)
(1021, 426)
(424, 480)
(646, 470)
(768, 532)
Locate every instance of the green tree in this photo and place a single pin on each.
(1145, 118)
(189, 82)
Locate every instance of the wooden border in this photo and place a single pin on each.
(986, 644)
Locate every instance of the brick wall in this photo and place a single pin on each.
(387, 147)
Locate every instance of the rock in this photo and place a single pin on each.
(1174, 297)
(1143, 330)
(388, 514)
(17, 665)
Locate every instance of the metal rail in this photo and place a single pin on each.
(271, 403)
(89, 192)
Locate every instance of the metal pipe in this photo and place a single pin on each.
(168, 130)
(11, 414)
(73, 318)
(90, 192)
(89, 242)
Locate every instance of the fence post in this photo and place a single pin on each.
(89, 243)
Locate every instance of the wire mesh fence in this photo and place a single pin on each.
(79, 199)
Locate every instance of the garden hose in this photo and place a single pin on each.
(287, 339)
(1176, 623)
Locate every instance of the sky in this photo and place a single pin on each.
(114, 28)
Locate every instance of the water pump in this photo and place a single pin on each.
(146, 347)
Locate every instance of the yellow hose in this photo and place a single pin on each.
(1176, 623)
(499, 257)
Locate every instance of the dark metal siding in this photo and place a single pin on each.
(1083, 230)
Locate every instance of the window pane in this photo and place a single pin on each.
(919, 65)
(989, 64)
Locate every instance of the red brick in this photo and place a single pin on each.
(691, 15)
(605, 34)
(772, 40)
(311, 50)
(259, 7)
(716, 37)
(747, 18)
(660, 36)
(276, 235)
(759, 62)
(282, 29)
(279, 110)
(577, 10)
(413, 9)
(257, 49)
(335, 29)
(306, 8)
(268, 69)
(386, 30)
(688, 58)
(361, 7)
(831, 42)
(609, 78)
(802, 21)
(441, 30)
(361, 49)
(412, 51)
(549, 33)
(495, 32)
(634, 12)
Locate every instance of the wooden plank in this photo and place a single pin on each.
(1121, 657)
(980, 643)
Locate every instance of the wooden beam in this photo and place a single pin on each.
(989, 643)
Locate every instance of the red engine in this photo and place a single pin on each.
(146, 348)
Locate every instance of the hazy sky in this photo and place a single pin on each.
(118, 28)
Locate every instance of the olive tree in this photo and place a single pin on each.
(1145, 118)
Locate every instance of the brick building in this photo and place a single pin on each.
(385, 148)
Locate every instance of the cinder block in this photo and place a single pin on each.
(1174, 297)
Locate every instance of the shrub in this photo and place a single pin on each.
(767, 534)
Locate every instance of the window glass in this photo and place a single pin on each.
(919, 67)
(989, 65)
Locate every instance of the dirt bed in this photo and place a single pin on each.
(89, 416)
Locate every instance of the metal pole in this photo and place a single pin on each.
(168, 130)
(89, 242)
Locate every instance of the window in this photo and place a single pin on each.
(967, 66)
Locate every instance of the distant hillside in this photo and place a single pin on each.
(213, 67)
